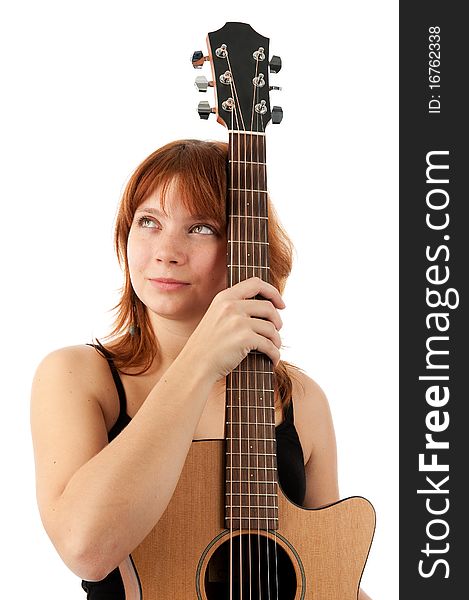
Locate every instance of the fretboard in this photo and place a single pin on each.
(251, 492)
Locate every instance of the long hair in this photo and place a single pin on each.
(199, 169)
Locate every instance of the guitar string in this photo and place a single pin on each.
(262, 234)
(271, 376)
(247, 186)
(274, 439)
(231, 400)
(267, 363)
(242, 185)
(240, 261)
(273, 442)
(257, 234)
(272, 416)
(250, 186)
(234, 148)
(243, 374)
(239, 117)
(230, 499)
(244, 378)
(256, 366)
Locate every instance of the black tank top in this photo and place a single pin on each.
(290, 467)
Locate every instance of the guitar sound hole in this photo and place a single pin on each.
(259, 568)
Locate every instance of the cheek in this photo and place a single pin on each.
(219, 269)
(136, 254)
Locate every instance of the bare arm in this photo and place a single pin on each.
(97, 500)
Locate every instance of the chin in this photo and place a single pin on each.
(168, 310)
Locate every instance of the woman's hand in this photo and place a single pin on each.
(235, 324)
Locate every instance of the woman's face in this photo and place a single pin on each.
(176, 245)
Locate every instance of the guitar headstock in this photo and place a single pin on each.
(239, 58)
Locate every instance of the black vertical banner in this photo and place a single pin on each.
(434, 256)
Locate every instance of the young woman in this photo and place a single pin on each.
(112, 423)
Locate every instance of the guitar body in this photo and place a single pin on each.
(321, 553)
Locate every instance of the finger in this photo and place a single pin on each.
(268, 348)
(263, 309)
(267, 330)
(256, 286)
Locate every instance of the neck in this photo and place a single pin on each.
(171, 336)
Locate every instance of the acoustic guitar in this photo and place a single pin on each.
(229, 532)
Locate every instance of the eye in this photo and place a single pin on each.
(203, 226)
(146, 222)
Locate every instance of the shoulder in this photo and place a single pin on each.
(68, 423)
(307, 394)
(79, 371)
(82, 364)
(311, 410)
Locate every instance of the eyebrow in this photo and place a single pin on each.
(159, 213)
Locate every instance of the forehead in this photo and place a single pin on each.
(174, 198)
(169, 206)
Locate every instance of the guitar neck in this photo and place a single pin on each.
(248, 247)
(251, 492)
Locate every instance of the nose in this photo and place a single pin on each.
(170, 249)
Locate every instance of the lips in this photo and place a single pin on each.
(164, 283)
(167, 280)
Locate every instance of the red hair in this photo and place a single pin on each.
(199, 169)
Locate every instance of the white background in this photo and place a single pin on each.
(90, 88)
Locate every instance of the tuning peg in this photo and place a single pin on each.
(275, 64)
(275, 87)
(277, 114)
(198, 59)
(204, 109)
(202, 84)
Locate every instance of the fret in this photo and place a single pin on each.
(257, 494)
(249, 266)
(251, 482)
(247, 242)
(256, 387)
(248, 216)
(248, 162)
(254, 407)
(252, 518)
(249, 468)
(244, 407)
(249, 423)
(237, 389)
(258, 461)
(261, 452)
(250, 371)
(252, 506)
(246, 133)
(252, 440)
(258, 454)
(247, 190)
(254, 494)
